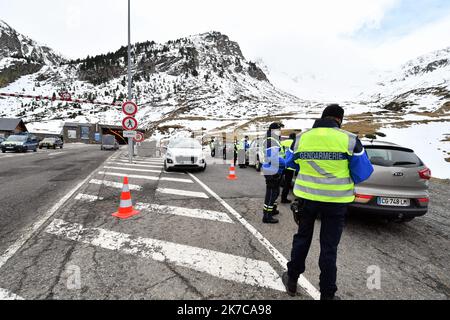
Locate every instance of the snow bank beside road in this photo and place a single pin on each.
(426, 141)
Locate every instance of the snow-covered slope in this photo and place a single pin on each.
(422, 84)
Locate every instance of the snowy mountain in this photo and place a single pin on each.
(420, 85)
(20, 55)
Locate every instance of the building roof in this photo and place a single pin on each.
(8, 124)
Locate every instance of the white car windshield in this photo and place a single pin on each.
(185, 143)
(17, 138)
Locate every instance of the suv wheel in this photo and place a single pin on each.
(165, 167)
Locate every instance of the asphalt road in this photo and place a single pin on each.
(197, 236)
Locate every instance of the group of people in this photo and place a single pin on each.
(327, 162)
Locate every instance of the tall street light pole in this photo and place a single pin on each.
(130, 140)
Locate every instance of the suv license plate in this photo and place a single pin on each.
(394, 202)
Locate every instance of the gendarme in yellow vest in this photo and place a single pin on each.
(323, 156)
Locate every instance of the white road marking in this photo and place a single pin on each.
(27, 233)
(182, 193)
(135, 165)
(185, 212)
(55, 154)
(6, 295)
(132, 169)
(142, 162)
(87, 197)
(115, 184)
(302, 281)
(218, 264)
(113, 174)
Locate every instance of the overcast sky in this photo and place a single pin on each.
(331, 38)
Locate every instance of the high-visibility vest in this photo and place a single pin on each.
(286, 144)
(241, 145)
(323, 156)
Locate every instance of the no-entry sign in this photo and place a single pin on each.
(139, 137)
(130, 108)
(129, 123)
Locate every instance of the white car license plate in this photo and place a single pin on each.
(394, 202)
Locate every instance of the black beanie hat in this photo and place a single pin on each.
(276, 125)
(333, 110)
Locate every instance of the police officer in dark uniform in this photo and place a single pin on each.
(331, 162)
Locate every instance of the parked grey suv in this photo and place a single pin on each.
(398, 188)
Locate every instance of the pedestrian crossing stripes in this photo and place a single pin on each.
(87, 197)
(116, 185)
(221, 265)
(186, 212)
(132, 169)
(152, 178)
(142, 162)
(135, 165)
(185, 193)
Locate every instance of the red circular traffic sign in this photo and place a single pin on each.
(66, 96)
(129, 123)
(130, 108)
(139, 137)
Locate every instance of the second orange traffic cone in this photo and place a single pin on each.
(126, 205)
(232, 175)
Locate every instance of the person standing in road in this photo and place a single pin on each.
(273, 167)
(331, 162)
(242, 149)
(291, 167)
(212, 146)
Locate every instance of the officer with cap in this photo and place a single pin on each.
(331, 162)
(273, 167)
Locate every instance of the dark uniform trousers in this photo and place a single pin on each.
(332, 225)
(288, 175)
(272, 192)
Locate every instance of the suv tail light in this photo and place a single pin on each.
(363, 198)
(425, 174)
(423, 201)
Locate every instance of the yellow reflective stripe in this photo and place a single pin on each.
(339, 181)
(325, 193)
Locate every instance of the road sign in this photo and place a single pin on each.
(129, 123)
(65, 96)
(139, 137)
(130, 108)
(129, 134)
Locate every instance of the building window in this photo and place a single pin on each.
(72, 134)
(85, 133)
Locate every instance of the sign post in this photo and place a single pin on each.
(130, 141)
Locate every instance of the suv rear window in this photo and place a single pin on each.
(393, 157)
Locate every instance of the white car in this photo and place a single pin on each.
(256, 154)
(184, 153)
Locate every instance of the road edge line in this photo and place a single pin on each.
(29, 232)
(303, 282)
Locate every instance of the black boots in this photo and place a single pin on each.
(268, 218)
(290, 285)
(286, 201)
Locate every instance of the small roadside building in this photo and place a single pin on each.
(11, 126)
(92, 133)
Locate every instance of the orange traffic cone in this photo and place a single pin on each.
(126, 206)
(232, 175)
